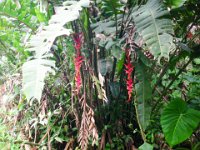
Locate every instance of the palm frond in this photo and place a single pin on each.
(35, 70)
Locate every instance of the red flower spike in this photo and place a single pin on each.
(129, 69)
(189, 35)
(78, 41)
(78, 61)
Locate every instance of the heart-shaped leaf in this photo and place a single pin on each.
(178, 121)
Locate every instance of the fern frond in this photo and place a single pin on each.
(35, 70)
(155, 30)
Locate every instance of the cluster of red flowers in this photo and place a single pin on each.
(78, 60)
(129, 69)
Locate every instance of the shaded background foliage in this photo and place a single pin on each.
(135, 65)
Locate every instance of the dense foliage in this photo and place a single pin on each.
(102, 74)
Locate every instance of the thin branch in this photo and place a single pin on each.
(180, 71)
(170, 84)
(164, 71)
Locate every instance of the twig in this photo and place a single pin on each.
(69, 144)
(48, 129)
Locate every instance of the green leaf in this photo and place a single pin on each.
(197, 61)
(40, 16)
(106, 27)
(146, 146)
(23, 14)
(34, 73)
(117, 52)
(115, 89)
(143, 95)
(175, 3)
(120, 63)
(58, 139)
(178, 121)
(111, 7)
(37, 68)
(105, 66)
(155, 29)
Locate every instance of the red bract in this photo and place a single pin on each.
(189, 35)
(129, 69)
(78, 61)
(78, 41)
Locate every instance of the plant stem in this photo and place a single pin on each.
(113, 70)
(164, 71)
(180, 71)
(170, 84)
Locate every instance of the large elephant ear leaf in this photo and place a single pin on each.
(155, 30)
(178, 121)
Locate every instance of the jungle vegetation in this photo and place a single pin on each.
(99, 74)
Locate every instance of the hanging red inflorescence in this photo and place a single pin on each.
(129, 69)
(78, 61)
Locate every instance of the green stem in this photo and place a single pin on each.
(164, 71)
(170, 84)
(180, 71)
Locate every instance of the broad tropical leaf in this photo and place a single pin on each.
(34, 72)
(36, 69)
(178, 121)
(175, 3)
(106, 27)
(111, 7)
(143, 95)
(146, 146)
(155, 30)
